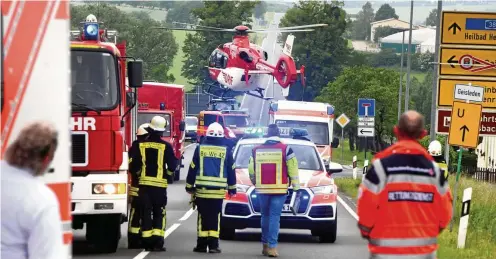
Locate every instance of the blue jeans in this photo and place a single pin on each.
(271, 209)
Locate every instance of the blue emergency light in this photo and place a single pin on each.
(162, 106)
(91, 31)
(298, 133)
(273, 107)
(330, 110)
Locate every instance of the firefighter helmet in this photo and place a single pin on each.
(158, 123)
(215, 130)
(142, 129)
(435, 148)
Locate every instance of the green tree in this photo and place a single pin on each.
(365, 82)
(197, 47)
(361, 26)
(324, 51)
(156, 48)
(385, 12)
(181, 12)
(432, 19)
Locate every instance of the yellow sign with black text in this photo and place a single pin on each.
(446, 91)
(468, 28)
(465, 124)
(468, 62)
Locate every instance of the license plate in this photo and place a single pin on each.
(284, 131)
(285, 207)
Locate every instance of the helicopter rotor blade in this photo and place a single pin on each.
(185, 29)
(202, 26)
(293, 27)
(271, 31)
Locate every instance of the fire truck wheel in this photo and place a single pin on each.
(227, 233)
(104, 232)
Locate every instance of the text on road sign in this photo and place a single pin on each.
(468, 62)
(465, 124)
(487, 126)
(446, 92)
(468, 28)
(469, 92)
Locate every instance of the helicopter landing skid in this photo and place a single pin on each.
(259, 94)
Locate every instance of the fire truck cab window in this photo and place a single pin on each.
(218, 59)
(94, 79)
(147, 118)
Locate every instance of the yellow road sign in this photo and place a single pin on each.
(468, 28)
(465, 124)
(468, 62)
(343, 120)
(446, 91)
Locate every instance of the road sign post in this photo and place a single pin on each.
(342, 120)
(458, 172)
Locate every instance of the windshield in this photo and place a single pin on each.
(238, 121)
(94, 80)
(191, 121)
(307, 156)
(318, 132)
(147, 117)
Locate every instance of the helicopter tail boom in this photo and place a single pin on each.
(288, 45)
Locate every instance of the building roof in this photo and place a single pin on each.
(386, 20)
(418, 36)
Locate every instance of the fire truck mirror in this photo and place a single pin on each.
(130, 99)
(182, 126)
(135, 73)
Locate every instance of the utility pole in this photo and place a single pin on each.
(409, 62)
(436, 67)
(401, 75)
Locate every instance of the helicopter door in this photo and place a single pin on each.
(218, 59)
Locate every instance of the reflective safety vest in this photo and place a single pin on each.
(154, 160)
(404, 202)
(444, 169)
(271, 166)
(133, 189)
(211, 171)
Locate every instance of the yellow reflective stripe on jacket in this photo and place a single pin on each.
(152, 181)
(210, 194)
(269, 156)
(210, 184)
(158, 180)
(272, 190)
(292, 166)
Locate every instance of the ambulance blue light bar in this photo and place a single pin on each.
(91, 31)
(330, 109)
(285, 132)
(273, 107)
(162, 106)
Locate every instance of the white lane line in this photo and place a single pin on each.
(169, 231)
(187, 215)
(350, 210)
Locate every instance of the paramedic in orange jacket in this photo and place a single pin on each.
(404, 202)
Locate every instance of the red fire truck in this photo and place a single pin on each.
(166, 100)
(100, 105)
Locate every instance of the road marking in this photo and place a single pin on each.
(187, 215)
(169, 231)
(350, 210)
(192, 144)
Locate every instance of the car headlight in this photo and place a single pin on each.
(242, 188)
(109, 188)
(327, 189)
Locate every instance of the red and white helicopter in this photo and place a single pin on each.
(240, 65)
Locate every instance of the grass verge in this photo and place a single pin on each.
(346, 158)
(481, 236)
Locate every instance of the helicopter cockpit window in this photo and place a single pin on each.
(218, 59)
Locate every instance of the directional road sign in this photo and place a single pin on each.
(469, 93)
(467, 28)
(366, 126)
(366, 107)
(487, 126)
(464, 125)
(343, 120)
(447, 89)
(366, 132)
(468, 62)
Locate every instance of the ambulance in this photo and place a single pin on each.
(316, 118)
(35, 86)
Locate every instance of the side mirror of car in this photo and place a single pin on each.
(335, 142)
(332, 168)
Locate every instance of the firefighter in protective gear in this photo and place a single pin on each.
(404, 201)
(210, 174)
(134, 224)
(153, 162)
(272, 165)
(435, 149)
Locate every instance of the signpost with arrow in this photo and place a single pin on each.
(468, 28)
(468, 62)
(366, 119)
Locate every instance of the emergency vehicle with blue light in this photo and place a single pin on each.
(100, 106)
(233, 121)
(316, 118)
(35, 86)
(318, 208)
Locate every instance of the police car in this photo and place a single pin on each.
(317, 211)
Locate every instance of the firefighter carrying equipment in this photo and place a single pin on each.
(270, 166)
(404, 202)
(154, 200)
(158, 123)
(211, 171)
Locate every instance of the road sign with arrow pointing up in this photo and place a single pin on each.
(464, 125)
(468, 28)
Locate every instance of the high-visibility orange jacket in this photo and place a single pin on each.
(404, 202)
(271, 166)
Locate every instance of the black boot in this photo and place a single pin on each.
(213, 245)
(201, 245)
